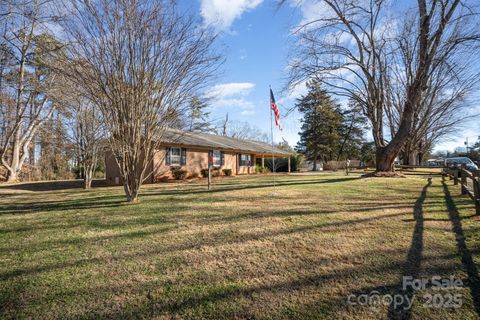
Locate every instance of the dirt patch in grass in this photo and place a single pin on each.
(383, 174)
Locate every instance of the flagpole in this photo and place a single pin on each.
(271, 132)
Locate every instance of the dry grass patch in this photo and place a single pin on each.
(235, 252)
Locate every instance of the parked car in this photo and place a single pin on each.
(458, 161)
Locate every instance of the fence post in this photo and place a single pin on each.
(476, 192)
(455, 175)
(463, 178)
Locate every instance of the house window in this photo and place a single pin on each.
(176, 156)
(245, 159)
(217, 158)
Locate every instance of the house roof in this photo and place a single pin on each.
(205, 140)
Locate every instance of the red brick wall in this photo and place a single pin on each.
(197, 159)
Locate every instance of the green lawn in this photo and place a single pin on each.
(236, 252)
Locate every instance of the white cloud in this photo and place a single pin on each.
(220, 91)
(239, 103)
(246, 107)
(311, 10)
(233, 96)
(222, 13)
(314, 10)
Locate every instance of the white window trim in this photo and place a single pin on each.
(243, 161)
(175, 160)
(217, 162)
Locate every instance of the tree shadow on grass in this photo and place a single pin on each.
(53, 185)
(174, 306)
(85, 203)
(238, 186)
(223, 185)
(193, 245)
(414, 257)
(115, 201)
(463, 251)
(413, 263)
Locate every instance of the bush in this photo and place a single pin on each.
(227, 172)
(194, 175)
(160, 178)
(179, 174)
(215, 172)
(260, 169)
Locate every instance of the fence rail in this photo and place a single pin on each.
(469, 182)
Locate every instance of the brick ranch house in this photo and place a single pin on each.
(191, 150)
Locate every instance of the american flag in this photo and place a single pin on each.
(274, 107)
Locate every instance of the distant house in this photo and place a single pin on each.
(191, 151)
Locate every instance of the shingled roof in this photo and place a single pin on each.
(205, 140)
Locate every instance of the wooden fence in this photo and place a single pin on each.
(425, 170)
(340, 165)
(469, 182)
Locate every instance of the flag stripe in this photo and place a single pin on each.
(275, 109)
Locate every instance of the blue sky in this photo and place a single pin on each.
(254, 36)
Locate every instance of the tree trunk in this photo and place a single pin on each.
(15, 165)
(410, 154)
(413, 158)
(386, 155)
(87, 183)
(87, 179)
(12, 176)
(385, 159)
(132, 186)
(31, 153)
(420, 158)
(314, 165)
(132, 194)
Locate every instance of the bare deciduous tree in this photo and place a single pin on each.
(28, 86)
(241, 130)
(142, 62)
(87, 134)
(443, 108)
(353, 46)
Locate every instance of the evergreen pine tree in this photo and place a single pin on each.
(351, 132)
(199, 117)
(319, 137)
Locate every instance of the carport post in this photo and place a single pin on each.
(263, 162)
(289, 165)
